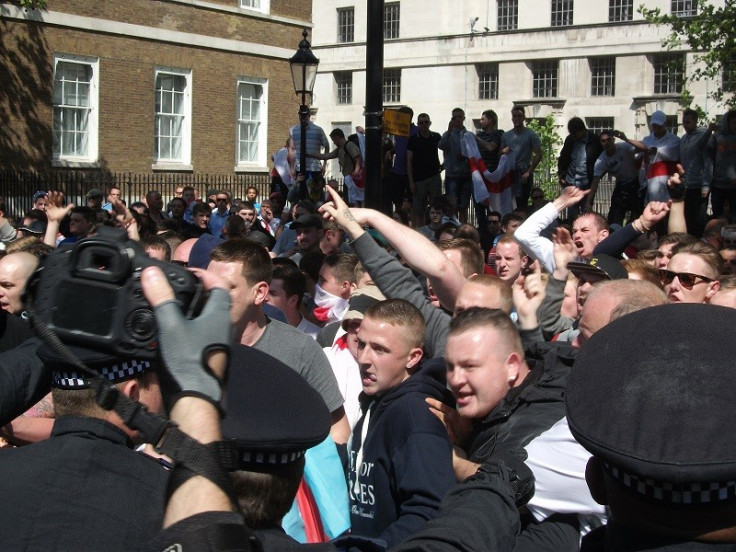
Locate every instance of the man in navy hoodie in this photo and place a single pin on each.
(400, 457)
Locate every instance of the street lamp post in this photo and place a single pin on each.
(304, 72)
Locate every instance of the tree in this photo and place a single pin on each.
(546, 175)
(711, 35)
(32, 4)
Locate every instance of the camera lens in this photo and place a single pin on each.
(141, 324)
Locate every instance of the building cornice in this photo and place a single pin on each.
(143, 32)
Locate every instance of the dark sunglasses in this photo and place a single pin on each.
(687, 279)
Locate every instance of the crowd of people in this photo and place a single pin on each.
(548, 379)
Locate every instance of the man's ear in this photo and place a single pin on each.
(713, 288)
(513, 366)
(131, 389)
(260, 292)
(413, 359)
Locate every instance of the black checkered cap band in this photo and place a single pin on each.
(118, 372)
(688, 493)
(247, 457)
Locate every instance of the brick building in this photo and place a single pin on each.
(148, 86)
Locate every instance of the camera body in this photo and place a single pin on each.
(90, 295)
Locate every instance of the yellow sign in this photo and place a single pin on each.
(395, 122)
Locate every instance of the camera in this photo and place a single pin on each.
(90, 294)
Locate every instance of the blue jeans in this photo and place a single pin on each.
(459, 189)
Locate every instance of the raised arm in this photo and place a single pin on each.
(529, 233)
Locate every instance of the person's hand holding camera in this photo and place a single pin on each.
(195, 352)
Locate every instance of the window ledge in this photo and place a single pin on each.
(250, 169)
(64, 163)
(171, 167)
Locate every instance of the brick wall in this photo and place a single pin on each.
(126, 82)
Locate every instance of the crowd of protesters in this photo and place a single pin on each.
(550, 378)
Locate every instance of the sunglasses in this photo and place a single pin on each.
(687, 279)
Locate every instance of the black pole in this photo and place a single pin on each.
(303, 113)
(374, 107)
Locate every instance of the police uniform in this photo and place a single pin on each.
(84, 488)
(651, 396)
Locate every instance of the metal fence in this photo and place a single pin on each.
(17, 188)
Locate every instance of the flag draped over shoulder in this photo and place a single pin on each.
(494, 189)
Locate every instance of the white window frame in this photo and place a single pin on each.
(391, 20)
(262, 6)
(185, 157)
(346, 25)
(343, 87)
(562, 13)
(487, 81)
(683, 8)
(603, 76)
(620, 10)
(391, 85)
(92, 125)
(669, 73)
(508, 15)
(545, 78)
(262, 139)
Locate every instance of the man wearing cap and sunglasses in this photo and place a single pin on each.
(692, 274)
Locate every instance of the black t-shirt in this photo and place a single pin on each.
(426, 160)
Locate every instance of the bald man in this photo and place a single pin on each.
(15, 269)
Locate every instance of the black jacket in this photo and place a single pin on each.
(81, 489)
(615, 538)
(593, 150)
(405, 463)
(527, 410)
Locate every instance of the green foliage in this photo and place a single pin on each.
(711, 34)
(546, 174)
(32, 4)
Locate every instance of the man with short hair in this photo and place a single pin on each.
(308, 234)
(458, 181)
(155, 203)
(351, 164)
(15, 269)
(400, 457)
(698, 170)
(220, 213)
(423, 168)
(662, 149)
(667, 245)
(335, 284)
(316, 143)
(618, 159)
(189, 195)
(528, 149)
(201, 216)
(39, 200)
(115, 194)
(82, 222)
(722, 149)
(247, 269)
(94, 198)
(577, 159)
(510, 259)
(436, 213)
(692, 274)
(589, 229)
(286, 292)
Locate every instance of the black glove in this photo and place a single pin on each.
(677, 191)
(185, 345)
(510, 468)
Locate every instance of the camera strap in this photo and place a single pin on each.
(188, 454)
